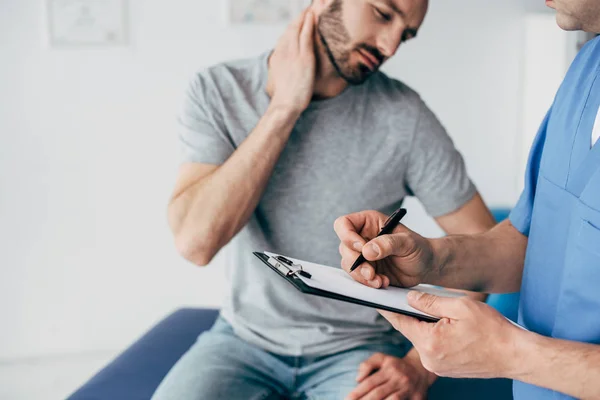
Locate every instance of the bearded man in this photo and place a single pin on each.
(275, 148)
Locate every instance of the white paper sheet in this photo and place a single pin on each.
(336, 280)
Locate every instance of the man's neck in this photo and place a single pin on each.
(328, 82)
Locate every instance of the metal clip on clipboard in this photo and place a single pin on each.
(287, 267)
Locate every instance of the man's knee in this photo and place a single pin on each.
(219, 366)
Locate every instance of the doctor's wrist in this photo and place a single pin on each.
(442, 256)
(519, 354)
(413, 357)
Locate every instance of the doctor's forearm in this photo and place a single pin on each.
(490, 262)
(568, 367)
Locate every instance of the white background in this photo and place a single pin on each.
(88, 153)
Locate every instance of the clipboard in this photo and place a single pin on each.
(335, 283)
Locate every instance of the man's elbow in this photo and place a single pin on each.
(196, 252)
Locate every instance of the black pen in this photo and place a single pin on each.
(388, 227)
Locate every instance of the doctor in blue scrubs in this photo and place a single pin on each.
(549, 249)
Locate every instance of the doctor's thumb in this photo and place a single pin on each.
(442, 307)
(385, 246)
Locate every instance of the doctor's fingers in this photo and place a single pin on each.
(396, 244)
(364, 273)
(417, 332)
(347, 229)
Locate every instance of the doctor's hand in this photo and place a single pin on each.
(292, 66)
(471, 340)
(383, 377)
(403, 258)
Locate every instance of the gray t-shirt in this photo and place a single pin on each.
(367, 148)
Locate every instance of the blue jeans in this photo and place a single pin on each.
(220, 365)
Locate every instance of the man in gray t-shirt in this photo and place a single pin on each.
(275, 149)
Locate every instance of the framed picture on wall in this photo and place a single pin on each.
(263, 11)
(86, 22)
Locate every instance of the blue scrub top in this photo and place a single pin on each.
(559, 211)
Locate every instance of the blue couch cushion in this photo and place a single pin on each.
(137, 372)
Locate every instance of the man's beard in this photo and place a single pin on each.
(335, 38)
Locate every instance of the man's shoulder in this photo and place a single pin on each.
(244, 73)
(393, 88)
(395, 98)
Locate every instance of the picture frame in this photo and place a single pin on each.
(87, 22)
(253, 12)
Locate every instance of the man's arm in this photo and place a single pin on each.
(472, 218)
(211, 204)
(490, 262)
(568, 367)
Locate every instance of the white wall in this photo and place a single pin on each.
(88, 156)
(549, 52)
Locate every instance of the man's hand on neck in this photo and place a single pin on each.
(299, 68)
(292, 67)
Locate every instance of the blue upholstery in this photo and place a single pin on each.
(500, 214)
(137, 372)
